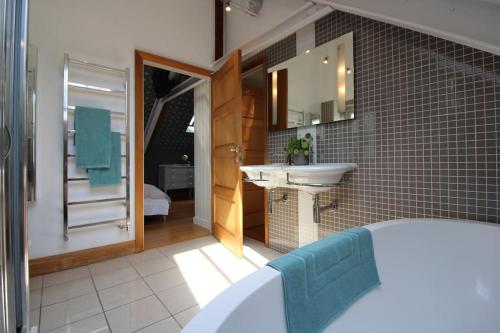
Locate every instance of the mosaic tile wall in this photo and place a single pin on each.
(284, 222)
(426, 136)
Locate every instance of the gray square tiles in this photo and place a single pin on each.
(426, 136)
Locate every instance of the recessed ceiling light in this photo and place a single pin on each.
(228, 6)
(325, 61)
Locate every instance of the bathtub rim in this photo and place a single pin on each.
(212, 317)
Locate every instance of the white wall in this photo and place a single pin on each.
(202, 156)
(471, 22)
(241, 27)
(104, 32)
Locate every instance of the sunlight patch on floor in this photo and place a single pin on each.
(211, 268)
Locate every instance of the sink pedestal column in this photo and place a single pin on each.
(308, 230)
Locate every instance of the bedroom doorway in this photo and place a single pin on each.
(172, 109)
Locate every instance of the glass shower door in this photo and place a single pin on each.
(14, 303)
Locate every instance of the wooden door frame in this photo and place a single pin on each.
(142, 58)
(262, 61)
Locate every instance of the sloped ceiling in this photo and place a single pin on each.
(170, 140)
(471, 22)
(170, 132)
(158, 83)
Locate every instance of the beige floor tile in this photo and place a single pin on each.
(144, 256)
(201, 242)
(259, 255)
(116, 277)
(165, 280)
(227, 263)
(172, 250)
(65, 276)
(35, 318)
(271, 254)
(109, 265)
(123, 294)
(199, 272)
(63, 292)
(95, 324)
(36, 283)
(154, 266)
(178, 298)
(35, 299)
(165, 326)
(185, 316)
(76, 309)
(136, 315)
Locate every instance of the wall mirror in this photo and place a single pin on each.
(315, 87)
(31, 120)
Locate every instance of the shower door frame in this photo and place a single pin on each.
(14, 282)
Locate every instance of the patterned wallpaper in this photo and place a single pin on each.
(170, 140)
(426, 136)
(149, 92)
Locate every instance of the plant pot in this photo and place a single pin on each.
(300, 159)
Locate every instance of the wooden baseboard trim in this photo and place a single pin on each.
(64, 261)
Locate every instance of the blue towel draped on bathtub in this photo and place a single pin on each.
(113, 174)
(321, 280)
(92, 137)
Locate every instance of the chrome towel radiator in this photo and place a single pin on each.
(92, 85)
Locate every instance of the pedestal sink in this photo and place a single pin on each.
(314, 178)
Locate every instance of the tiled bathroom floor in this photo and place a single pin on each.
(158, 290)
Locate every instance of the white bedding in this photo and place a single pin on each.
(156, 202)
(156, 206)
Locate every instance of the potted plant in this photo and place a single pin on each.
(298, 150)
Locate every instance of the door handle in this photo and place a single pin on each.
(235, 149)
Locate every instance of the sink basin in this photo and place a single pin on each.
(314, 178)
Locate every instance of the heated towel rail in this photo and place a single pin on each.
(85, 86)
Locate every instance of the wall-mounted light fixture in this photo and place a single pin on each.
(348, 70)
(251, 7)
(274, 86)
(325, 61)
(308, 51)
(341, 77)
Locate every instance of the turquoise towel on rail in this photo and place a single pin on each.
(321, 280)
(113, 174)
(92, 137)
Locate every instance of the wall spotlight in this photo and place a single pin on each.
(325, 61)
(228, 6)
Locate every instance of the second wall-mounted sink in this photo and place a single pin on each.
(313, 178)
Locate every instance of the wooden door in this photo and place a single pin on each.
(227, 213)
(254, 143)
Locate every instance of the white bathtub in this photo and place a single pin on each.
(437, 276)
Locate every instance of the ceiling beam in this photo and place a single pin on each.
(219, 29)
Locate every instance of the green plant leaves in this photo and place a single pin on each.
(295, 145)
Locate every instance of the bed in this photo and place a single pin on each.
(156, 202)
